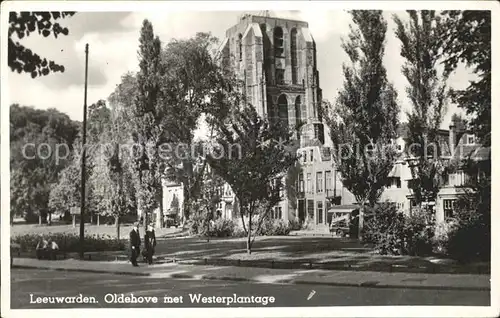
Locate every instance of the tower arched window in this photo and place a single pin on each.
(267, 51)
(279, 50)
(294, 55)
(298, 115)
(283, 110)
(240, 46)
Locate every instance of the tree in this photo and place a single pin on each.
(466, 38)
(112, 178)
(366, 113)
(210, 196)
(427, 91)
(41, 142)
(194, 88)
(251, 156)
(22, 24)
(67, 191)
(146, 121)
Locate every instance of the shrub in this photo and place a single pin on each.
(394, 233)
(308, 224)
(238, 231)
(295, 224)
(222, 228)
(197, 225)
(418, 234)
(470, 241)
(442, 235)
(274, 228)
(385, 229)
(71, 242)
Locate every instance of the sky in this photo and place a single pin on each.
(113, 43)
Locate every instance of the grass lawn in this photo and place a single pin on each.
(327, 251)
(21, 229)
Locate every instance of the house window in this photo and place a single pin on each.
(320, 211)
(319, 182)
(309, 184)
(448, 207)
(328, 180)
(310, 209)
(312, 155)
(277, 212)
(304, 155)
(398, 183)
(279, 185)
(451, 179)
(301, 182)
(471, 140)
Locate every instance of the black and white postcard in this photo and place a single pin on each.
(249, 159)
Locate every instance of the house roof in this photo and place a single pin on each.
(482, 154)
(474, 152)
(395, 172)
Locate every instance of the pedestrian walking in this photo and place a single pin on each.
(135, 244)
(150, 243)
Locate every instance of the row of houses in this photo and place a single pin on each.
(321, 193)
(276, 60)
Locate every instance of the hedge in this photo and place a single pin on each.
(70, 242)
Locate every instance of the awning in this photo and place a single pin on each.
(343, 208)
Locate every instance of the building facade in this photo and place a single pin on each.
(275, 59)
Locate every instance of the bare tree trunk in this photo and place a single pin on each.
(361, 217)
(117, 224)
(98, 220)
(39, 218)
(161, 206)
(249, 237)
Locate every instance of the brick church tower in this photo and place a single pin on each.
(276, 60)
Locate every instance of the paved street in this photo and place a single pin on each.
(42, 283)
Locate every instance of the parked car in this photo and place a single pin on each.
(340, 224)
(171, 220)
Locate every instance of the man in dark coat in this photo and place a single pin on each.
(150, 244)
(135, 244)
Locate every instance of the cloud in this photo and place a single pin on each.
(113, 41)
(83, 23)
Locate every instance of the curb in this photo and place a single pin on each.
(304, 282)
(82, 270)
(244, 279)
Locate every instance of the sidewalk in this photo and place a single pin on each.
(272, 276)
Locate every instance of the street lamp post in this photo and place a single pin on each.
(84, 133)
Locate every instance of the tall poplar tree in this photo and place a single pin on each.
(146, 117)
(366, 112)
(427, 91)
